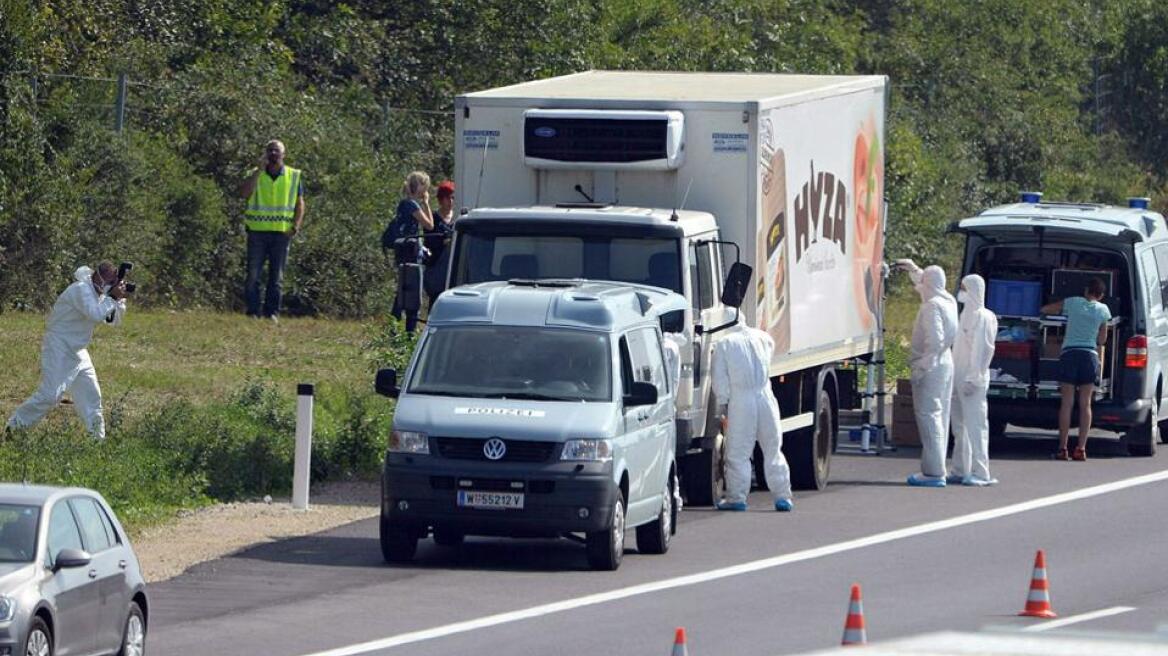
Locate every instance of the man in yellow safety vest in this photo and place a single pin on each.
(275, 210)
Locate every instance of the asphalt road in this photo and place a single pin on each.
(744, 583)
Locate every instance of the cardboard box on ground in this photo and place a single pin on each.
(904, 424)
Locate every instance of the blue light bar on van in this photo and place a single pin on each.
(1032, 197)
(1139, 202)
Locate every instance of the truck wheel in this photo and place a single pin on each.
(606, 548)
(447, 538)
(1141, 439)
(653, 538)
(398, 542)
(705, 477)
(809, 453)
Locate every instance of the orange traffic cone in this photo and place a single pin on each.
(1038, 600)
(854, 631)
(679, 642)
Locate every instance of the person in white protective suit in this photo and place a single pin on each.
(933, 335)
(96, 297)
(742, 390)
(972, 353)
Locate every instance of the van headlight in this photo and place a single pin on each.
(7, 608)
(587, 450)
(409, 442)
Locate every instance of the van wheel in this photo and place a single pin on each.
(1163, 427)
(809, 452)
(705, 476)
(606, 548)
(399, 543)
(653, 538)
(1141, 439)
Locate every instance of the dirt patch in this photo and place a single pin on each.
(209, 533)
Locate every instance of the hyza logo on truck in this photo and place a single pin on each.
(500, 412)
(821, 210)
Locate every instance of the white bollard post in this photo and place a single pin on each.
(303, 461)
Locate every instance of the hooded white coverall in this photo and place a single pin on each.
(65, 363)
(932, 366)
(740, 361)
(972, 353)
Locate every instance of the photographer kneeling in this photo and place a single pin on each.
(96, 297)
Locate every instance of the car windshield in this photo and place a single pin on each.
(18, 530)
(485, 257)
(513, 362)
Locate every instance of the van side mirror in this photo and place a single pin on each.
(386, 383)
(70, 559)
(641, 394)
(737, 285)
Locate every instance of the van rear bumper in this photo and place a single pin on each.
(553, 496)
(1113, 415)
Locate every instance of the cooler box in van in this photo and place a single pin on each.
(1014, 298)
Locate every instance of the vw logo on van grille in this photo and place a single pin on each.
(495, 449)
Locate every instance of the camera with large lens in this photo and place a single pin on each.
(123, 269)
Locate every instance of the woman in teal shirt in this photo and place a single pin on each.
(1079, 369)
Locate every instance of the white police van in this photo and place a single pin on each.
(535, 409)
(1035, 252)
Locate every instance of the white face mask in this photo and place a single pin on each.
(962, 297)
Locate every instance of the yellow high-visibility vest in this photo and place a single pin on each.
(272, 205)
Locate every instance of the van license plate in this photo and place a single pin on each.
(490, 500)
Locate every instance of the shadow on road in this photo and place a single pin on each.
(1041, 446)
(487, 554)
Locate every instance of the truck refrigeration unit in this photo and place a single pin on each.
(669, 178)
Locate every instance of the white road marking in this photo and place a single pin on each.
(743, 568)
(1075, 619)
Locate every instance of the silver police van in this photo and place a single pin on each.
(1034, 252)
(535, 409)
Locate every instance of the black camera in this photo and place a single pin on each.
(123, 269)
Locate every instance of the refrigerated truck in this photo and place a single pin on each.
(666, 179)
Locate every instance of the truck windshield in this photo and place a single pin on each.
(483, 257)
(514, 362)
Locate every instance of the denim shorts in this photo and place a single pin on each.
(1079, 367)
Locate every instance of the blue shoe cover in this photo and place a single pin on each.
(954, 479)
(734, 506)
(918, 480)
(973, 481)
(784, 505)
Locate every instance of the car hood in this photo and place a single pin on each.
(13, 575)
(533, 420)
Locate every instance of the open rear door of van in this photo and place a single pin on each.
(1028, 345)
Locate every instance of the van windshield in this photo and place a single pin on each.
(514, 362)
(644, 260)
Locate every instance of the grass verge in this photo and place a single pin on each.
(200, 407)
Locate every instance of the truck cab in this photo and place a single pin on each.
(535, 409)
(1035, 252)
(675, 251)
